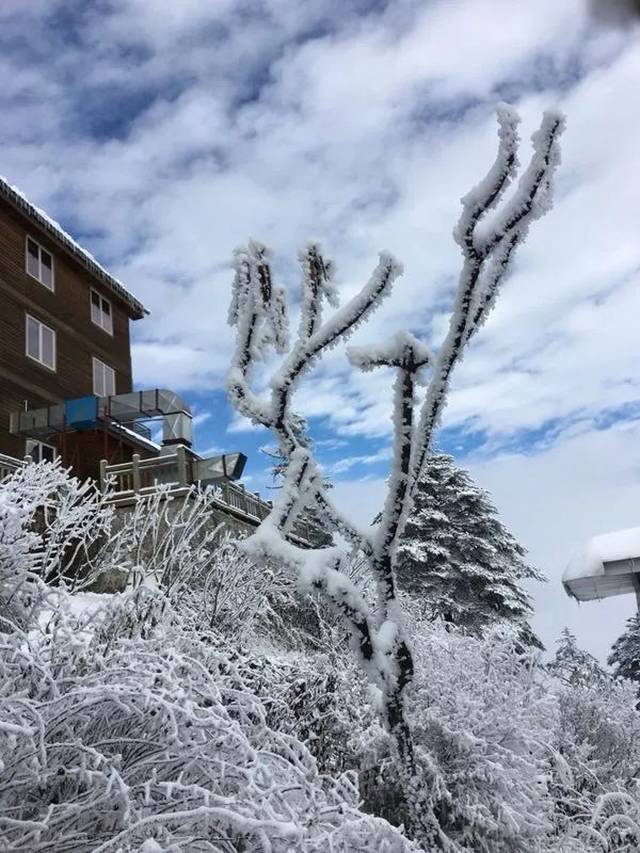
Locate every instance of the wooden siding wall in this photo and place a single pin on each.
(67, 310)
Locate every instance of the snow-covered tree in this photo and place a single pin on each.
(572, 665)
(458, 557)
(625, 652)
(259, 314)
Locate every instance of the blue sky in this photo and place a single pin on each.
(164, 134)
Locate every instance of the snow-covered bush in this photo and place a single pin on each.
(596, 745)
(168, 539)
(111, 743)
(19, 583)
(210, 709)
(481, 719)
(72, 519)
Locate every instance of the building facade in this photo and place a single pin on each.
(64, 322)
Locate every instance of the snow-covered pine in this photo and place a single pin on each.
(572, 665)
(625, 652)
(458, 558)
(488, 248)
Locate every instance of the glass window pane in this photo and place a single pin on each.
(33, 338)
(97, 377)
(47, 452)
(95, 299)
(106, 307)
(48, 347)
(46, 268)
(95, 313)
(46, 276)
(33, 262)
(109, 381)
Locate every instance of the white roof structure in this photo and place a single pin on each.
(608, 565)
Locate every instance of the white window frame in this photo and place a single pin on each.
(31, 444)
(97, 391)
(41, 326)
(106, 320)
(38, 277)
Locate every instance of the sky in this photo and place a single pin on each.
(162, 135)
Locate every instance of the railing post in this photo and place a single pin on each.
(135, 472)
(103, 475)
(181, 458)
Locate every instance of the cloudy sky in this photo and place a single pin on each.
(163, 134)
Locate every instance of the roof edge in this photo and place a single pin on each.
(15, 197)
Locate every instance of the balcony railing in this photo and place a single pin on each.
(143, 476)
(8, 464)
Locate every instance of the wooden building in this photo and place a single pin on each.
(66, 388)
(64, 333)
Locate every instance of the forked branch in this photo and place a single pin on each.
(489, 232)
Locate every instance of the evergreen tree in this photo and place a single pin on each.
(573, 666)
(316, 532)
(458, 556)
(625, 652)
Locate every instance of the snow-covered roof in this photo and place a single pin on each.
(607, 565)
(15, 197)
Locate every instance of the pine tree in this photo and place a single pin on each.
(625, 652)
(317, 534)
(458, 557)
(573, 665)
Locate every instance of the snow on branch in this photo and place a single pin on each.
(259, 313)
(488, 250)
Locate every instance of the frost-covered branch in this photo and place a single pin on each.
(487, 252)
(488, 233)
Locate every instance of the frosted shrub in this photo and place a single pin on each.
(138, 744)
(20, 589)
(596, 748)
(71, 519)
(169, 539)
(480, 718)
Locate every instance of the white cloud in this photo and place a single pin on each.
(346, 463)
(163, 134)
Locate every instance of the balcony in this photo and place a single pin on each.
(127, 480)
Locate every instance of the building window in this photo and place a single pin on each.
(101, 312)
(104, 379)
(39, 451)
(40, 342)
(39, 263)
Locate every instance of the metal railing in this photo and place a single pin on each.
(8, 464)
